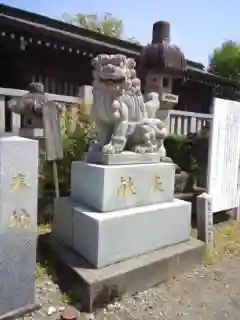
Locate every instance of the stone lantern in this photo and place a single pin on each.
(41, 121)
(160, 63)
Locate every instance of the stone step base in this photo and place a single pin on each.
(21, 312)
(107, 238)
(96, 287)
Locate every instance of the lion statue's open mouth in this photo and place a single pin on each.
(111, 69)
(113, 81)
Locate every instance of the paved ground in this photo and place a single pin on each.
(205, 293)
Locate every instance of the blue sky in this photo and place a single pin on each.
(196, 26)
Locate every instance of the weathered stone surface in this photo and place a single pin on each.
(62, 226)
(95, 287)
(182, 183)
(205, 218)
(204, 284)
(31, 133)
(40, 119)
(18, 220)
(108, 188)
(108, 238)
(125, 157)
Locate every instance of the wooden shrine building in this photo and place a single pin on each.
(58, 54)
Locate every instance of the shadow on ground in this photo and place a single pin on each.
(52, 267)
(67, 280)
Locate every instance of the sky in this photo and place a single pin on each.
(197, 27)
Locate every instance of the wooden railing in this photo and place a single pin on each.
(15, 119)
(180, 122)
(183, 122)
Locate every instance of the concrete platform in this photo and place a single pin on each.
(96, 287)
(108, 188)
(107, 238)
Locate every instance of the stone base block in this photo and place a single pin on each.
(95, 287)
(62, 225)
(31, 133)
(116, 187)
(17, 272)
(126, 157)
(18, 224)
(21, 312)
(107, 238)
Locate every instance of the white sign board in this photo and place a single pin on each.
(224, 155)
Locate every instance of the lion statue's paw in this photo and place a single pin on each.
(113, 148)
(109, 148)
(145, 149)
(140, 149)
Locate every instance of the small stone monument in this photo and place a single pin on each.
(18, 225)
(122, 196)
(205, 220)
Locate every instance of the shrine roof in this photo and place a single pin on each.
(62, 30)
(59, 30)
(202, 75)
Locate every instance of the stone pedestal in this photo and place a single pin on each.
(126, 157)
(18, 224)
(108, 238)
(116, 187)
(31, 133)
(121, 229)
(116, 212)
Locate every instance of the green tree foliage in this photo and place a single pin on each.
(107, 24)
(225, 60)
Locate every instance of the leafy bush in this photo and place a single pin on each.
(173, 144)
(180, 149)
(77, 131)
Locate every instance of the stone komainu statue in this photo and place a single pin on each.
(125, 121)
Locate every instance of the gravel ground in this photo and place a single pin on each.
(205, 293)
